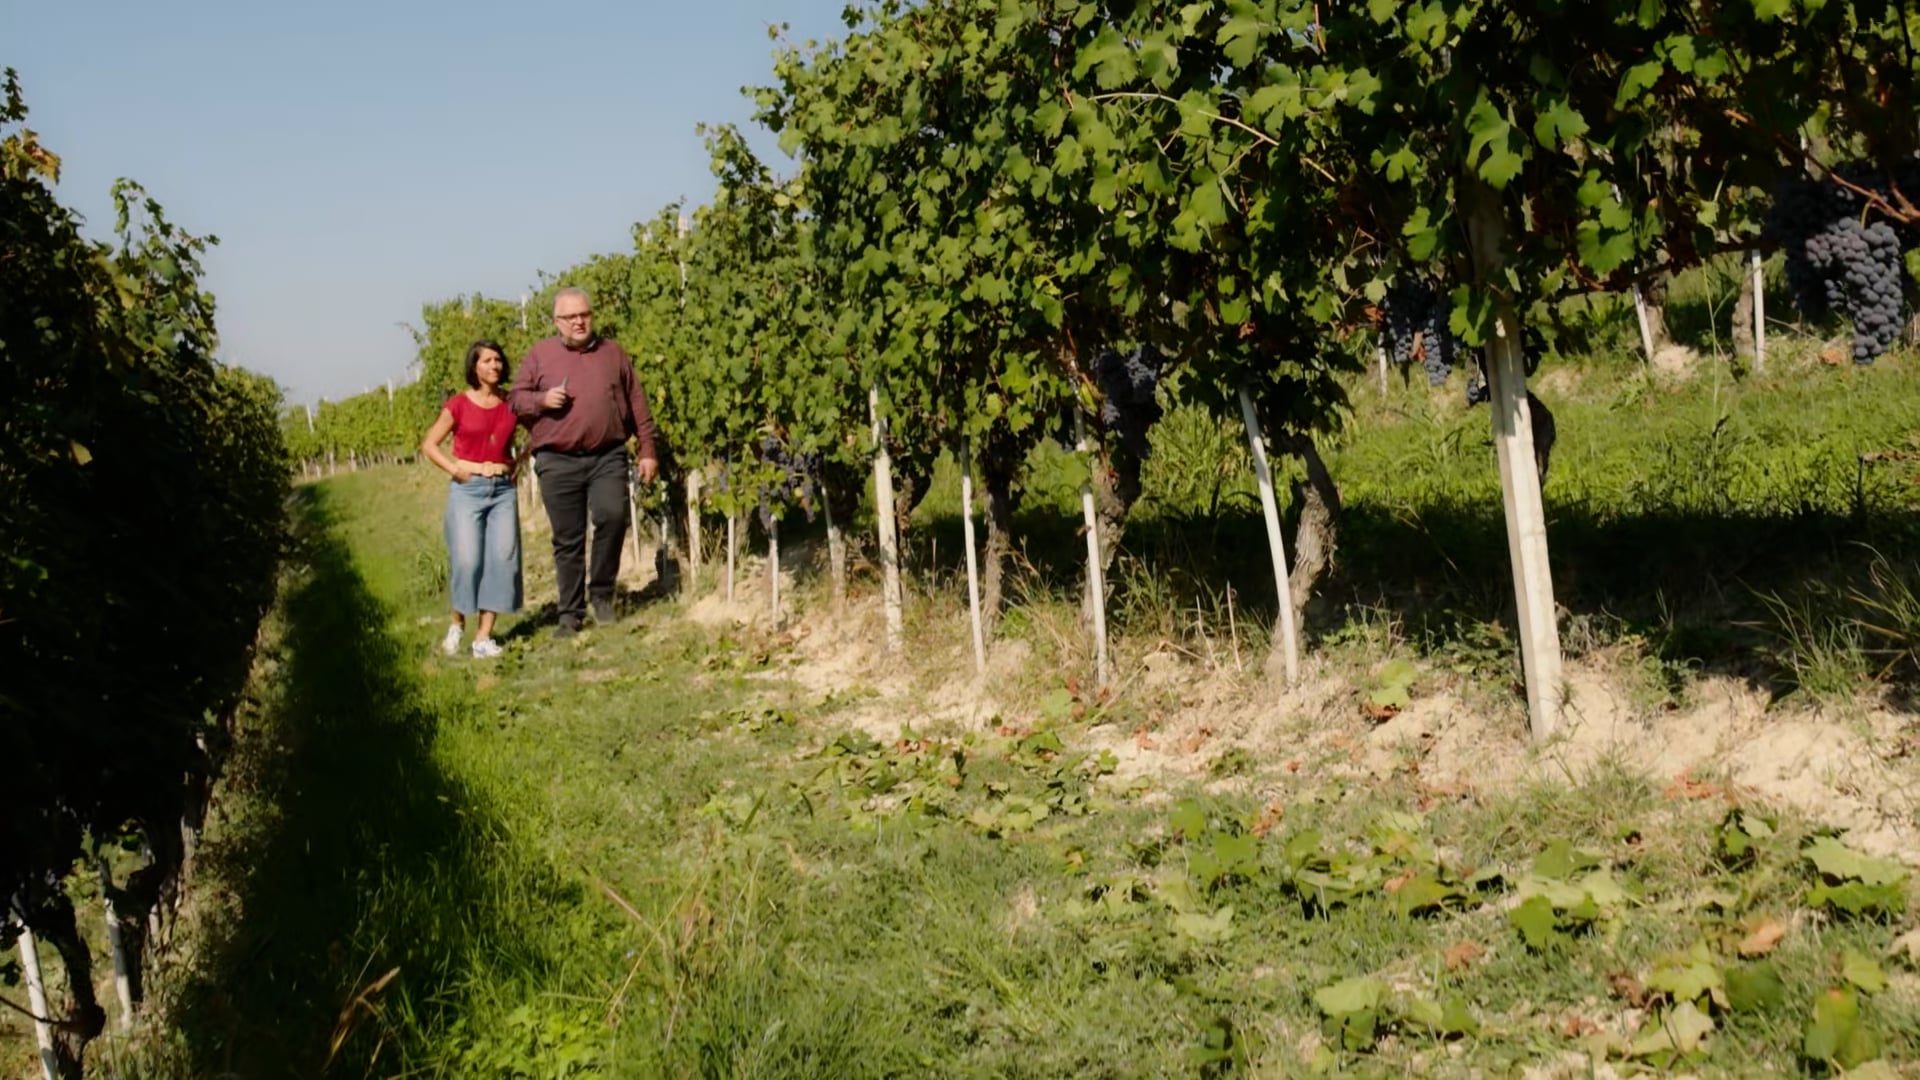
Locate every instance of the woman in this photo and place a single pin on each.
(483, 517)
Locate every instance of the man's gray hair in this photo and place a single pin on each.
(573, 290)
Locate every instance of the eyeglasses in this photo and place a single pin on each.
(573, 317)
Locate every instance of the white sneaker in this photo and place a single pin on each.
(486, 648)
(450, 645)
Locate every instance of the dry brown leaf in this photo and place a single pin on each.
(1762, 938)
(1141, 738)
(1392, 884)
(1575, 1026)
(1269, 817)
(1687, 786)
(1628, 989)
(1464, 954)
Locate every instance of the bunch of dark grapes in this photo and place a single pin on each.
(793, 482)
(1416, 325)
(1838, 260)
(1128, 407)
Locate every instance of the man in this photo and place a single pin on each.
(581, 402)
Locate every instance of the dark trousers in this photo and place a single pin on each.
(575, 488)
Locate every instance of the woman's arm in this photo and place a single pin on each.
(430, 446)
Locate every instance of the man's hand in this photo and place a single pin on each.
(647, 469)
(556, 398)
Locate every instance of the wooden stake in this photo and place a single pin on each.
(1759, 313)
(1270, 510)
(633, 519)
(37, 1002)
(973, 562)
(1096, 579)
(883, 511)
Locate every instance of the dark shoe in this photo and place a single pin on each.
(603, 612)
(569, 626)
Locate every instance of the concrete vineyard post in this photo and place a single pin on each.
(732, 547)
(693, 527)
(1096, 581)
(1519, 473)
(973, 561)
(1380, 361)
(883, 512)
(1759, 313)
(1270, 510)
(836, 547)
(37, 1002)
(1646, 328)
(773, 566)
(117, 946)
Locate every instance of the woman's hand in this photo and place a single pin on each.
(462, 472)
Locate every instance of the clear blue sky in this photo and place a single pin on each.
(357, 159)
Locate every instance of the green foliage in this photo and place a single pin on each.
(1854, 883)
(141, 492)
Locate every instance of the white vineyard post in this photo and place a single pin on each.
(1519, 472)
(1646, 328)
(1380, 361)
(773, 566)
(117, 946)
(836, 546)
(1759, 313)
(973, 562)
(1270, 510)
(883, 513)
(732, 546)
(37, 1001)
(693, 527)
(1096, 580)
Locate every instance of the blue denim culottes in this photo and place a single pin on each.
(483, 545)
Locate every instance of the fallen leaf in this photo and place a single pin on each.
(1687, 786)
(1293, 766)
(1392, 884)
(1463, 954)
(1269, 817)
(1575, 1026)
(1380, 712)
(1195, 741)
(1763, 938)
(1628, 989)
(1141, 739)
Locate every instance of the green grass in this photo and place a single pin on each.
(646, 853)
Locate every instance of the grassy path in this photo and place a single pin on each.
(644, 853)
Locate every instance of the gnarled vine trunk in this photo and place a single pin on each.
(1316, 537)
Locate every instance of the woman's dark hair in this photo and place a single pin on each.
(473, 357)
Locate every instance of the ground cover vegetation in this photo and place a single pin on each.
(1104, 259)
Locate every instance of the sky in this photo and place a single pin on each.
(357, 160)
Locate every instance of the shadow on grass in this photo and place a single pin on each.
(348, 855)
(1691, 585)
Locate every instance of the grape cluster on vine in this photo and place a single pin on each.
(792, 479)
(1128, 406)
(1840, 258)
(1416, 316)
